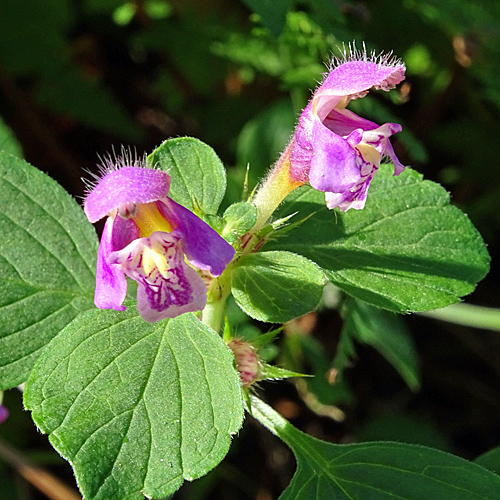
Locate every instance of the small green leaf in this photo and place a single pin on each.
(490, 460)
(198, 176)
(387, 333)
(48, 255)
(239, 219)
(263, 339)
(271, 372)
(136, 407)
(277, 286)
(375, 471)
(407, 250)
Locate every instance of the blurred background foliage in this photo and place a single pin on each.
(81, 77)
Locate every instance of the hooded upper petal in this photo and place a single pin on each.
(123, 187)
(352, 79)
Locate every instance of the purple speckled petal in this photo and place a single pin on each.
(125, 186)
(379, 137)
(167, 286)
(203, 246)
(4, 413)
(111, 285)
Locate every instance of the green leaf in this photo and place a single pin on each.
(490, 460)
(407, 250)
(277, 286)
(375, 471)
(272, 13)
(271, 372)
(48, 255)
(136, 407)
(239, 219)
(198, 176)
(386, 333)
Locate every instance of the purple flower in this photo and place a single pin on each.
(335, 150)
(4, 413)
(153, 240)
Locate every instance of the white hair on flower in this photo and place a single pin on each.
(114, 161)
(351, 54)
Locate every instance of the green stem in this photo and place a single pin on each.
(468, 315)
(274, 189)
(218, 292)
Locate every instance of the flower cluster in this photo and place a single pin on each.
(153, 240)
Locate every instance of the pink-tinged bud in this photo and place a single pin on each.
(247, 361)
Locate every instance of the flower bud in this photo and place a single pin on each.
(247, 361)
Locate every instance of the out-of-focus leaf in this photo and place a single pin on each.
(385, 332)
(404, 429)
(272, 13)
(490, 460)
(263, 138)
(8, 142)
(95, 106)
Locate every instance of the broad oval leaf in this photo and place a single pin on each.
(375, 471)
(136, 407)
(277, 286)
(48, 255)
(407, 250)
(198, 176)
